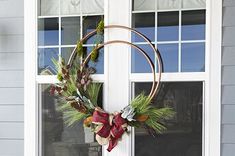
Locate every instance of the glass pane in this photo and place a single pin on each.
(70, 30)
(99, 65)
(48, 7)
(45, 64)
(70, 7)
(142, 5)
(138, 62)
(48, 31)
(168, 4)
(168, 26)
(193, 25)
(169, 54)
(193, 57)
(184, 134)
(194, 3)
(56, 138)
(92, 6)
(66, 52)
(90, 23)
(144, 23)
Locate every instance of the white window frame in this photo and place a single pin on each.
(113, 15)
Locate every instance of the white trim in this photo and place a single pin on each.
(117, 68)
(30, 97)
(213, 79)
(48, 79)
(170, 77)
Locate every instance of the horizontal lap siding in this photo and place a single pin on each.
(11, 78)
(228, 80)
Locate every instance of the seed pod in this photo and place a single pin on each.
(100, 27)
(52, 90)
(60, 77)
(79, 48)
(94, 55)
(142, 118)
(87, 122)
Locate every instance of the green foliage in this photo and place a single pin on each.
(100, 27)
(59, 77)
(140, 103)
(79, 49)
(71, 116)
(93, 92)
(94, 55)
(142, 106)
(156, 116)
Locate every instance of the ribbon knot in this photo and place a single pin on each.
(110, 127)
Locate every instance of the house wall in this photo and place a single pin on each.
(228, 79)
(11, 77)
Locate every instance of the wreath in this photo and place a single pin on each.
(79, 94)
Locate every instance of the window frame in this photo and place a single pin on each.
(211, 76)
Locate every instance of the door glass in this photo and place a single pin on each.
(184, 132)
(56, 138)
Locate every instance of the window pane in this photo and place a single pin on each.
(193, 57)
(70, 7)
(142, 5)
(184, 134)
(99, 65)
(48, 7)
(92, 6)
(66, 52)
(194, 3)
(168, 26)
(138, 62)
(89, 24)
(169, 54)
(56, 138)
(45, 64)
(193, 25)
(70, 30)
(144, 23)
(168, 4)
(48, 31)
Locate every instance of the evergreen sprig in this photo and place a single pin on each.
(147, 114)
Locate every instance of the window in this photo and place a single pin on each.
(189, 68)
(58, 139)
(60, 25)
(177, 29)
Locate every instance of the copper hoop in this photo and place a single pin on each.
(157, 53)
(86, 60)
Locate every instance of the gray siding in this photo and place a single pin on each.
(228, 80)
(11, 79)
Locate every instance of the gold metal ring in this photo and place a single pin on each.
(155, 85)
